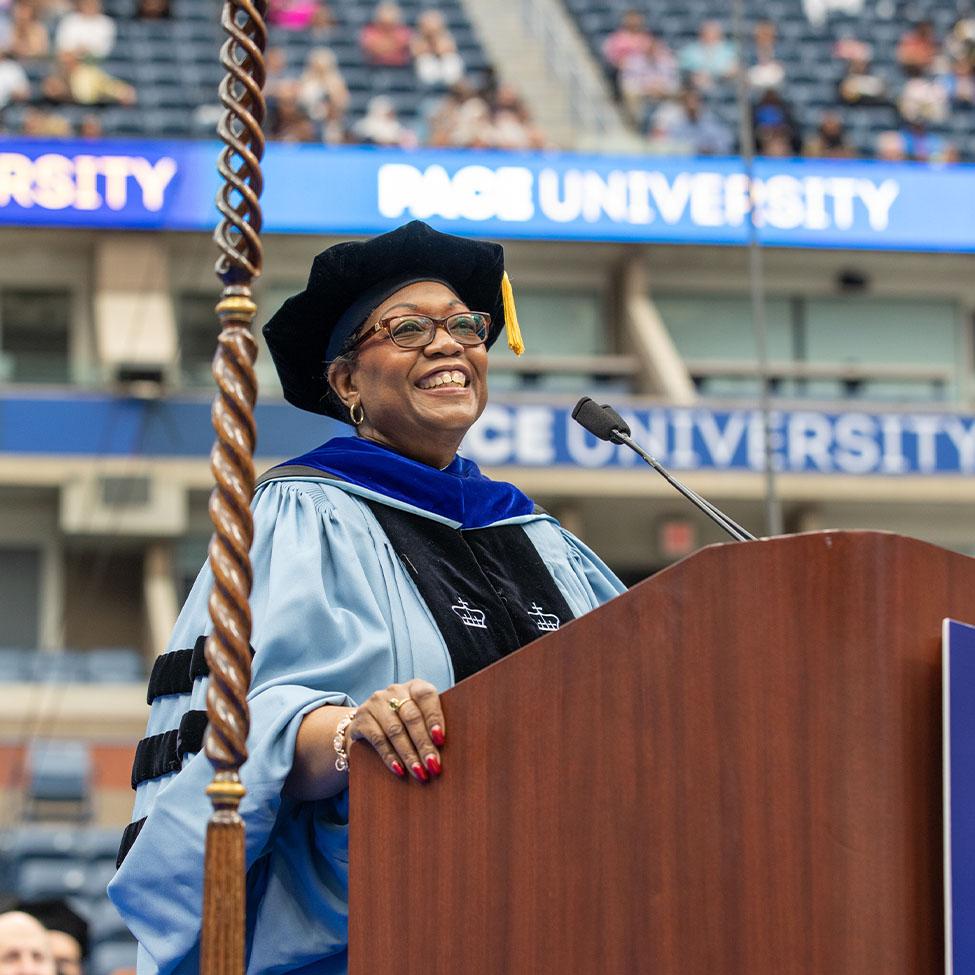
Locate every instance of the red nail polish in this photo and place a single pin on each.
(419, 772)
(398, 769)
(437, 735)
(433, 764)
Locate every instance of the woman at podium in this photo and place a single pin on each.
(386, 569)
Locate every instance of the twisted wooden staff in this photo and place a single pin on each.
(228, 647)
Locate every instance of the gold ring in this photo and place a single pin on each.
(395, 703)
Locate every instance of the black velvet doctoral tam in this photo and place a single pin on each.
(350, 280)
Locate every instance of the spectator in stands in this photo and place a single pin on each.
(511, 123)
(28, 36)
(631, 38)
(85, 83)
(817, 11)
(385, 40)
(87, 31)
(52, 10)
(435, 55)
(293, 14)
(91, 127)
(776, 144)
(463, 117)
(281, 81)
(43, 124)
(775, 126)
(509, 131)
(289, 122)
(471, 124)
(960, 43)
(918, 48)
(25, 948)
(323, 94)
(380, 126)
(14, 83)
(686, 126)
(154, 10)
(767, 71)
(959, 81)
(924, 146)
(923, 99)
(829, 140)
(710, 58)
(440, 117)
(647, 77)
(861, 85)
(890, 146)
(323, 23)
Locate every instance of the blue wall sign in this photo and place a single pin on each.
(958, 675)
(534, 196)
(699, 438)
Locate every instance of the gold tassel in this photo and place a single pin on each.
(511, 326)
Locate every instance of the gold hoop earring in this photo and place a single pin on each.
(352, 416)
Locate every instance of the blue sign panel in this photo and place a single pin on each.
(704, 438)
(700, 438)
(534, 196)
(959, 804)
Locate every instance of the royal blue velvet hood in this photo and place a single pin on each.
(460, 493)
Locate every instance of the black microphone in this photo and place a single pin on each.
(606, 424)
(597, 420)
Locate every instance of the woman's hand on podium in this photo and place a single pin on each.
(404, 723)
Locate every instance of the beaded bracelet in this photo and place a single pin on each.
(338, 742)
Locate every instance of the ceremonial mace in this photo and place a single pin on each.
(232, 463)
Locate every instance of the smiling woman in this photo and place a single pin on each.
(418, 399)
(386, 568)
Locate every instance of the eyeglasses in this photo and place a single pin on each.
(416, 331)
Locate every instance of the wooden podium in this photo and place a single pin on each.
(732, 769)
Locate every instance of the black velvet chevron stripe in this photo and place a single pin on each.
(174, 672)
(161, 754)
(129, 836)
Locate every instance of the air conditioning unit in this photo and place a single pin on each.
(123, 504)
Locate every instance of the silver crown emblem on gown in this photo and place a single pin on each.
(544, 621)
(469, 615)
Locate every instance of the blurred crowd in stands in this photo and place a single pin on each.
(311, 103)
(71, 39)
(667, 94)
(307, 102)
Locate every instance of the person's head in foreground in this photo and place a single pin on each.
(403, 323)
(25, 947)
(67, 931)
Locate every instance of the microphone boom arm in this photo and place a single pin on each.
(718, 517)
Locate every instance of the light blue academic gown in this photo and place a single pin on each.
(335, 618)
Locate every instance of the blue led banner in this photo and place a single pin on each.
(535, 196)
(523, 434)
(958, 675)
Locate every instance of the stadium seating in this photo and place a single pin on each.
(112, 666)
(58, 779)
(812, 71)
